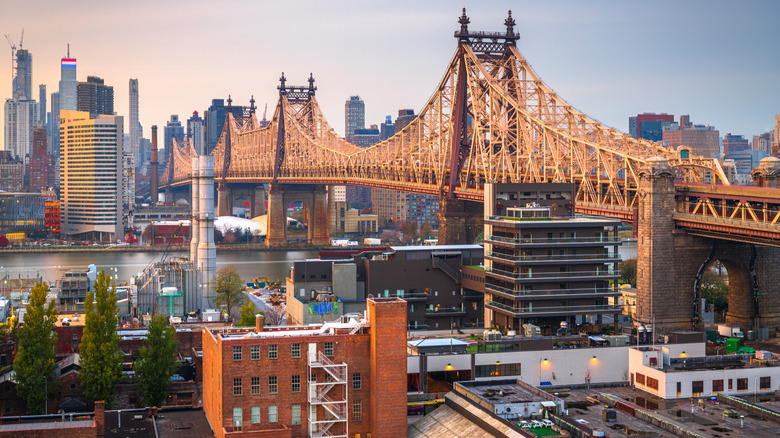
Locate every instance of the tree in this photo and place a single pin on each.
(158, 361)
(34, 362)
(715, 290)
(248, 312)
(101, 359)
(229, 289)
(409, 229)
(275, 315)
(628, 271)
(426, 231)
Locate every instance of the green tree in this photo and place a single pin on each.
(628, 271)
(229, 289)
(158, 361)
(247, 312)
(715, 290)
(34, 362)
(101, 359)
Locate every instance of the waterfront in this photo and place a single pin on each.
(250, 263)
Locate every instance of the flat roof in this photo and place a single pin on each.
(438, 342)
(501, 391)
(434, 247)
(182, 423)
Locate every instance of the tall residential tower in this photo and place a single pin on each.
(135, 125)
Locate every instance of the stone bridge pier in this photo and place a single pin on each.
(671, 261)
(238, 195)
(459, 221)
(315, 202)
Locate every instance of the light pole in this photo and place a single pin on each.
(541, 361)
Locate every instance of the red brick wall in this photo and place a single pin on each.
(212, 396)
(388, 367)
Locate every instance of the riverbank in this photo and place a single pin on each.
(172, 249)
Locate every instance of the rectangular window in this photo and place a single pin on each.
(255, 352)
(273, 386)
(717, 386)
(652, 383)
(272, 351)
(237, 419)
(296, 383)
(237, 387)
(329, 349)
(742, 384)
(356, 381)
(255, 414)
(295, 351)
(255, 385)
(640, 379)
(237, 353)
(697, 387)
(296, 414)
(504, 369)
(357, 410)
(272, 418)
(731, 385)
(765, 383)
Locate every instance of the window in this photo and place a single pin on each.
(272, 385)
(329, 349)
(357, 410)
(296, 414)
(272, 418)
(272, 351)
(765, 383)
(411, 307)
(640, 379)
(255, 385)
(697, 387)
(237, 419)
(237, 353)
(255, 414)
(731, 386)
(717, 386)
(296, 383)
(493, 370)
(356, 381)
(652, 383)
(295, 351)
(237, 387)
(255, 352)
(742, 384)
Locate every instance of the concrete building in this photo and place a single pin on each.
(91, 175)
(349, 220)
(386, 129)
(745, 160)
(40, 173)
(649, 126)
(136, 132)
(172, 129)
(68, 84)
(22, 81)
(703, 140)
(543, 266)
(354, 117)
(95, 97)
(776, 139)
(342, 378)
(21, 213)
(430, 281)
(11, 172)
(20, 118)
(75, 284)
(734, 143)
(197, 132)
(42, 104)
(764, 142)
(128, 188)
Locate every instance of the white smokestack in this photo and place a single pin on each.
(207, 252)
(193, 290)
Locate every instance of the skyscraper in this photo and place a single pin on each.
(91, 188)
(215, 120)
(20, 118)
(734, 143)
(649, 126)
(354, 116)
(42, 103)
(387, 129)
(135, 125)
(41, 166)
(54, 128)
(173, 129)
(197, 132)
(22, 84)
(703, 140)
(95, 97)
(68, 84)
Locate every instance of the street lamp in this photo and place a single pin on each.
(541, 361)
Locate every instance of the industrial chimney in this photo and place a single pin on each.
(155, 171)
(207, 252)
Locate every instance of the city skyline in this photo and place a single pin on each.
(396, 55)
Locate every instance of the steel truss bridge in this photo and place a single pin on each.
(490, 119)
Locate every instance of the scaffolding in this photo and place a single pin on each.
(172, 273)
(331, 396)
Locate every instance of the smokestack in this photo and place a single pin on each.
(259, 322)
(192, 300)
(207, 252)
(155, 172)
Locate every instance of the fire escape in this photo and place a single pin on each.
(330, 394)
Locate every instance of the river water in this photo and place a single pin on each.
(250, 264)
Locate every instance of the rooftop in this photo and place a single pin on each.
(434, 247)
(502, 391)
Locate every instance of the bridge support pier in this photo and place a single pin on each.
(669, 260)
(315, 201)
(257, 204)
(460, 222)
(224, 200)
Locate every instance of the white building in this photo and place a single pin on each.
(20, 117)
(91, 176)
(135, 125)
(671, 374)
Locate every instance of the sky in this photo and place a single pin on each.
(715, 60)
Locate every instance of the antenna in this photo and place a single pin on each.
(68, 55)
(21, 40)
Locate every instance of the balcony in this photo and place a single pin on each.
(411, 297)
(445, 311)
(527, 295)
(525, 260)
(554, 242)
(521, 312)
(472, 295)
(536, 277)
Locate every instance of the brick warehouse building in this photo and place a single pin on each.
(255, 381)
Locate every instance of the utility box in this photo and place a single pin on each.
(531, 330)
(733, 344)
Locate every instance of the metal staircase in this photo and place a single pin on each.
(330, 394)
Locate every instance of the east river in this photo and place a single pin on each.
(250, 264)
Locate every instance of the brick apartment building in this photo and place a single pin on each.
(344, 379)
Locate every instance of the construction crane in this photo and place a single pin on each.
(265, 111)
(13, 54)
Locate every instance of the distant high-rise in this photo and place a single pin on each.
(703, 140)
(649, 126)
(40, 172)
(20, 118)
(734, 143)
(173, 129)
(387, 129)
(215, 120)
(135, 124)
(22, 83)
(92, 206)
(95, 97)
(68, 84)
(354, 116)
(42, 103)
(197, 132)
(54, 128)
(776, 144)
(764, 142)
